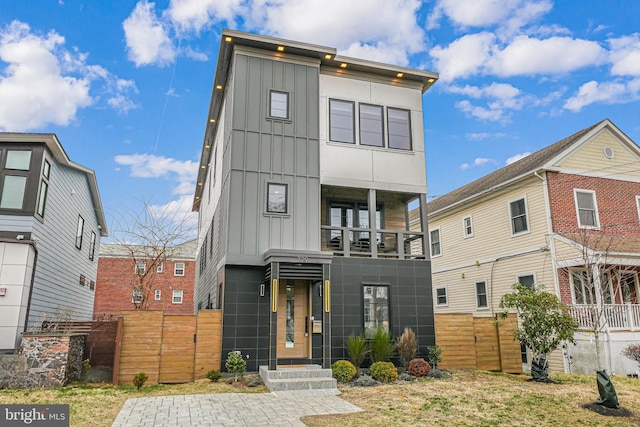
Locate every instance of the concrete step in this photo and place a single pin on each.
(308, 381)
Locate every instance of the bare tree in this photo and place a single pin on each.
(149, 237)
(595, 284)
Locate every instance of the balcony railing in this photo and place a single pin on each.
(615, 316)
(355, 241)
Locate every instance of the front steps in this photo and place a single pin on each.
(308, 380)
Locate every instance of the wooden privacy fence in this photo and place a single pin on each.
(470, 342)
(168, 348)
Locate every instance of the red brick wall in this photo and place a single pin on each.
(616, 201)
(113, 289)
(617, 211)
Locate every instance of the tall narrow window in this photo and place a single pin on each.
(586, 208)
(136, 296)
(79, 232)
(434, 235)
(278, 104)
(290, 317)
(518, 210)
(276, 198)
(468, 227)
(341, 122)
(441, 296)
(44, 188)
(481, 295)
(583, 287)
(371, 132)
(159, 268)
(399, 125)
(157, 295)
(376, 308)
(92, 246)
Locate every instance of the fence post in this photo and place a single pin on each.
(116, 352)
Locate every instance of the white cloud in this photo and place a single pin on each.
(43, 83)
(464, 57)
(555, 55)
(625, 55)
(501, 98)
(194, 15)
(507, 15)
(178, 211)
(386, 30)
(478, 161)
(613, 92)
(516, 157)
(146, 37)
(152, 166)
(479, 136)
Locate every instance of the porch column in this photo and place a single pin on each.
(273, 315)
(425, 226)
(373, 236)
(326, 316)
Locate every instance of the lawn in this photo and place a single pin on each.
(472, 398)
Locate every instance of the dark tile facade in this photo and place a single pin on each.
(247, 314)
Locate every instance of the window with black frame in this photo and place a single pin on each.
(352, 215)
(375, 308)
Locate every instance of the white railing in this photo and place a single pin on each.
(615, 316)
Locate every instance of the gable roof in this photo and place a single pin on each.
(54, 146)
(527, 165)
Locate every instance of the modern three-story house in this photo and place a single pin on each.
(311, 199)
(51, 221)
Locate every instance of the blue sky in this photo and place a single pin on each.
(126, 85)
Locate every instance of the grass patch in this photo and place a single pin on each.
(476, 398)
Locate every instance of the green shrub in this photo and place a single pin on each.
(236, 364)
(343, 371)
(407, 347)
(419, 367)
(357, 349)
(139, 380)
(384, 372)
(85, 370)
(438, 374)
(214, 375)
(365, 381)
(435, 355)
(381, 346)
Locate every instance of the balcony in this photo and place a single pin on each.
(617, 317)
(398, 244)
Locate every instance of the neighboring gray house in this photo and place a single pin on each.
(51, 221)
(310, 166)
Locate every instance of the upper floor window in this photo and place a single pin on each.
(14, 182)
(518, 212)
(586, 208)
(341, 123)
(276, 198)
(92, 246)
(434, 235)
(178, 269)
(371, 132)
(141, 268)
(79, 232)
(468, 227)
(527, 280)
(44, 188)
(278, 104)
(481, 295)
(157, 295)
(441, 296)
(159, 268)
(399, 124)
(638, 205)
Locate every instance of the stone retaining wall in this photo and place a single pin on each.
(47, 361)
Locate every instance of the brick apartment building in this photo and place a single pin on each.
(172, 289)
